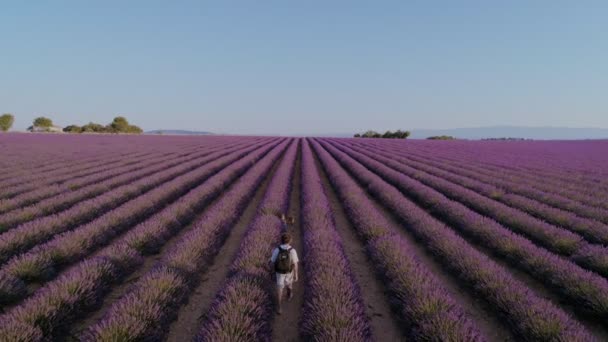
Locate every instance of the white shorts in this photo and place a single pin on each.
(284, 279)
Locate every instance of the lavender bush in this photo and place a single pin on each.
(183, 262)
(421, 301)
(530, 316)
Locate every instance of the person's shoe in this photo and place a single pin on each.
(278, 311)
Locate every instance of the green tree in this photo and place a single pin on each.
(371, 134)
(401, 134)
(357, 135)
(6, 122)
(43, 122)
(92, 127)
(120, 125)
(134, 129)
(387, 135)
(73, 129)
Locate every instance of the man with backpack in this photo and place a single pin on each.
(285, 261)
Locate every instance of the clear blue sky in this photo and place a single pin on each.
(306, 67)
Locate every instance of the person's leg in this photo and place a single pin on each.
(279, 299)
(289, 286)
(289, 292)
(280, 286)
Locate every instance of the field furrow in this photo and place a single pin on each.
(31, 233)
(42, 262)
(555, 239)
(168, 238)
(557, 273)
(530, 316)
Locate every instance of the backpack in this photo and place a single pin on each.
(283, 263)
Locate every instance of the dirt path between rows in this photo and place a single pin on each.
(594, 325)
(384, 325)
(477, 309)
(286, 326)
(191, 314)
(484, 314)
(120, 289)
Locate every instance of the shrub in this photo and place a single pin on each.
(6, 122)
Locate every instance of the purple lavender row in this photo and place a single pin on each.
(70, 169)
(55, 205)
(59, 167)
(13, 162)
(530, 316)
(585, 194)
(512, 190)
(557, 240)
(41, 263)
(593, 231)
(25, 184)
(576, 161)
(249, 270)
(144, 312)
(492, 157)
(31, 233)
(82, 288)
(44, 153)
(559, 173)
(90, 181)
(41, 193)
(333, 307)
(32, 156)
(242, 310)
(557, 196)
(555, 272)
(16, 175)
(417, 295)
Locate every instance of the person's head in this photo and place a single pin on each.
(285, 238)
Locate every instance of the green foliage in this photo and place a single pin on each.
(119, 125)
(132, 129)
(6, 122)
(371, 134)
(73, 129)
(92, 127)
(43, 122)
(441, 137)
(398, 134)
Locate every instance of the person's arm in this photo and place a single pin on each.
(273, 258)
(295, 271)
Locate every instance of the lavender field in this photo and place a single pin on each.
(167, 238)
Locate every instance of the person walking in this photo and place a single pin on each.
(285, 261)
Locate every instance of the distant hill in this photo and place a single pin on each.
(177, 132)
(540, 133)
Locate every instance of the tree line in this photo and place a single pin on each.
(398, 134)
(441, 137)
(119, 125)
(43, 124)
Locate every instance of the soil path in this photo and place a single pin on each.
(285, 327)
(119, 290)
(190, 315)
(481, 312)
(594, 325)
(477, 309)
(385, 326)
